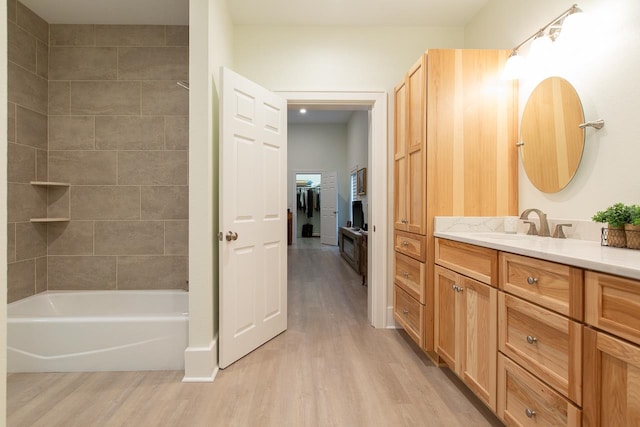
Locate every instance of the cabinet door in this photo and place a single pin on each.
(416, 150)
(611, 381)
(478, 338)
(445, 315)
(400, 217)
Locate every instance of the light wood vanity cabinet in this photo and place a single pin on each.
(446, 161)
(466, 316)
(611, 354)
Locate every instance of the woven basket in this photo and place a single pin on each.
(616, 237)
(633, 236)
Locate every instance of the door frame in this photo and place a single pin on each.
(378, 309)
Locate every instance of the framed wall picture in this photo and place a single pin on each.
(361, 181)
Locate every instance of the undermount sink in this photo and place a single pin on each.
(502, 236)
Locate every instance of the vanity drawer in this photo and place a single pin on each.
(409, 313)
(612, 304)
(409, 274)
(555, 286)
(413, 245)
(545, 343)
(523, 400)
(473, 261)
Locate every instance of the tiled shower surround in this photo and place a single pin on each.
(97, 106)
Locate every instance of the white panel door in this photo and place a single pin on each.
(329, 208)
(253, 216)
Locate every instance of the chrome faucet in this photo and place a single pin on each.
(544, 225)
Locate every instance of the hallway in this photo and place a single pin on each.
(330, 368)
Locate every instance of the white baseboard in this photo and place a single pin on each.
(391, 323)
(201, 363)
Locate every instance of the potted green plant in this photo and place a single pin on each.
(632, 227)
(616, 216)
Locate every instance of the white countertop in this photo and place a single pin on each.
(579, 253)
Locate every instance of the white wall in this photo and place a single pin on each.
(210, 47)
(604, 68)
(334, 58)
(315, 148)
(358, 150)
(3, 216)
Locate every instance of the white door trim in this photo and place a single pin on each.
(378, 268)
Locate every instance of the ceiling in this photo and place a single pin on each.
(264, 12)
(318, 116)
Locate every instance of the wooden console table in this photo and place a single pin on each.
(353, 249)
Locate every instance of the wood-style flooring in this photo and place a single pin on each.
(330, 368)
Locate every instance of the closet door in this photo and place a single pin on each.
(400, 216)
(329, 209)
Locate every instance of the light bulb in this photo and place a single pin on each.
(513, 67)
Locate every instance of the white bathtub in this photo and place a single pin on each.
(66, 331)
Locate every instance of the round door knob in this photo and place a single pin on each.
(531, 339)
(532, 280)
(231, 236)
(530, 413)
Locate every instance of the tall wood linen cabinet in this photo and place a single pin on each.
(454, 154)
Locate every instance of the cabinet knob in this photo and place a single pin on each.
(404, 221)
(405, 273)
(453, 287)
(405, 311)
(530, 413)
(532, 280)
(405, 244)
(531, 339)
(459, 289)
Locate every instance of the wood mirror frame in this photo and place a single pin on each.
(550, 137)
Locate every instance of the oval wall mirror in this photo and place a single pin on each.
(550, 137)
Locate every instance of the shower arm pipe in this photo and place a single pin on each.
(184, 85)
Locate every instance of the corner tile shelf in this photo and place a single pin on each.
(50, 184)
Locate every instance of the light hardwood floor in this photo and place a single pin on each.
(330, 368)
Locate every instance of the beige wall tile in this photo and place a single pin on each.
(58, 202)
(42, 68)
(164, 202)
(70, 238)
(177, 35)
(42, 165)
(11, 122)
(25, 201)
(176, 133)
(129, 238)
(153, 63)
(72, 35)
(21, 280)
(83, 63)
(105, 203)
(31, 128)
(164, 98)
(99, 98)
(26, 89)
(129, 133)
(41, 274)
(152, 168)
(21, 164)
(31, 240)
(12, 10)
(152, 272)
(59, 97)
(129, 35)
(21, 47)
(176, 238)
(31, 22)
(71, 133)
(81, 272)
(11, 242)
(83, 167)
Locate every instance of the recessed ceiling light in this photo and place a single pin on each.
(303, 111)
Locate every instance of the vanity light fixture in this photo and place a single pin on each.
(541, 40)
